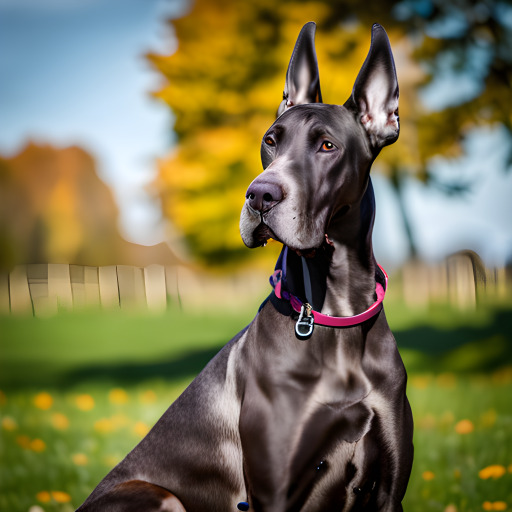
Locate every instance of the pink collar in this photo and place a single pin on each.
(308, 317)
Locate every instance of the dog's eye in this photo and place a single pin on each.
(269, 141)
(328, 146)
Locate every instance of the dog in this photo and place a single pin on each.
(305, 409)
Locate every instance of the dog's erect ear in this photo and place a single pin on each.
(302, 78)
(375, 93)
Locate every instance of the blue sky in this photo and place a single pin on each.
(73, 72)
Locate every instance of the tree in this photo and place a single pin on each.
(54, 208)
(225, 79)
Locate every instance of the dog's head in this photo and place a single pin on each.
(317, 157)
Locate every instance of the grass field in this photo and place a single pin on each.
(78, 391)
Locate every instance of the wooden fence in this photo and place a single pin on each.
(460, 280)
(44, 289)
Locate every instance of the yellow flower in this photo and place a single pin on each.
(60, 421)
(141, 429)
(84, 402)
(428, 475)
(420, 381)
(103, 425)
(37, 445)
(80, 459)
(118, 396)
(464, 427)
(61, 497)
(148, 397)
(494, 471)
(9, 424)
(43, 497)
(23, 441)
(43, 401)
(111, 460)
(496, 505)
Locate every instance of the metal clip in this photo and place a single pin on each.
(305, 323)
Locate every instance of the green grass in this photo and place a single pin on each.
(118, 347)
(79, 390)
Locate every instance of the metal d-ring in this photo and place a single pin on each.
(306, 322)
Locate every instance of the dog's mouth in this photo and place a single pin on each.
(263, 233)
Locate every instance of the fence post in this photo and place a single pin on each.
(18, 288)
(156, 291)
(108, 287)
(4, 294)
(59, 284)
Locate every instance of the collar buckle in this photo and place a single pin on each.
(306, 322)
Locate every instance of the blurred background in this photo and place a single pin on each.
(129, 132)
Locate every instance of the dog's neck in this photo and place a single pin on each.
(342, 271)
(350, 286)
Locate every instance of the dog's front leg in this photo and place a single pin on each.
(269, 431)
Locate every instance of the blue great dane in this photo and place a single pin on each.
(305, 409)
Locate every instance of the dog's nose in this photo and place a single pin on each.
(263, 196)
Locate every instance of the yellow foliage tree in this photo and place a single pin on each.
(225, 81)
(224, 84)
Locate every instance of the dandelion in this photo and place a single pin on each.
(80, 459)
(23, 441)
(148, 397)
(494, 471)
(118, 396)
(37, 445)
(141, 429)
(84, 402)
(44, 497)
(428, 476)
(43, 401)
(111, 460)
(103, 425)
(494, 505)
(420, 381)
(61, 497)
(464, 427)
(503, 376)
(60, 421)
(9, 424)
